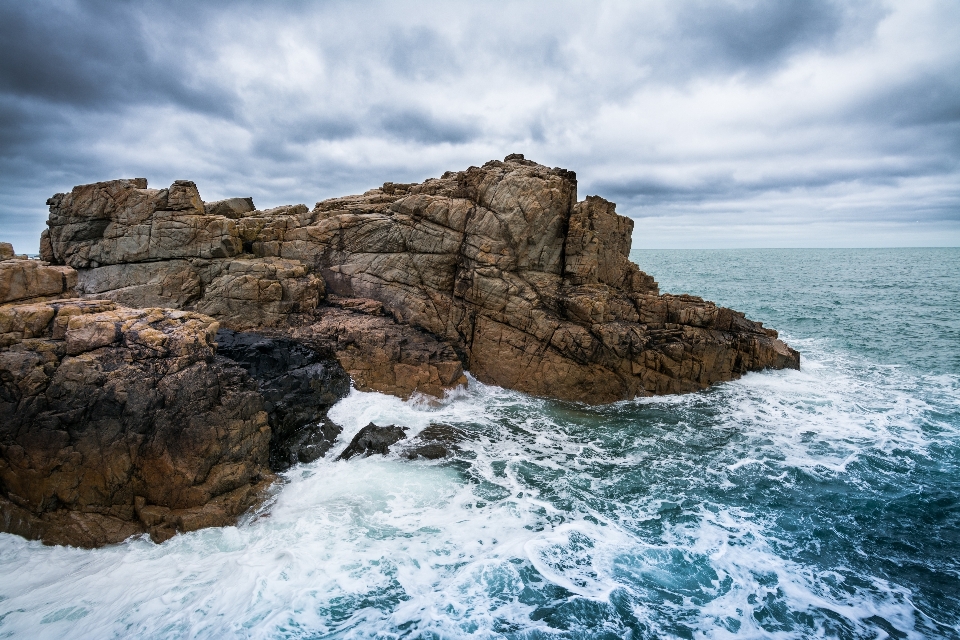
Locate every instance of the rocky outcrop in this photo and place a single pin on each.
(497, 269)
(6, 251)
(532, 289)
(299, 384)
(373, 440)
(116, 421)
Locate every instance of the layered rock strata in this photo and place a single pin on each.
(116, 421)
(164, 247)
(500, 265)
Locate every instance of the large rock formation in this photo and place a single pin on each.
(150, 247)
(116, 421)
(499, 265)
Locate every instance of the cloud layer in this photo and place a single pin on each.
(738, 123)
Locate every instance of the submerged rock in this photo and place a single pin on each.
(373, 439)
(434, 442)
(299, 384)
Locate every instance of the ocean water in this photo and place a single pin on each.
(818, 503)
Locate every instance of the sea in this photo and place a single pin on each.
(820, 503)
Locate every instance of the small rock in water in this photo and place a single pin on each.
(435, 442)
(373, 439)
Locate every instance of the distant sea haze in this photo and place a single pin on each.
(789, 504)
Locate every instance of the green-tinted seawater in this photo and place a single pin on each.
(819, 503)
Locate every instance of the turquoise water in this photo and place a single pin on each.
(818, 503)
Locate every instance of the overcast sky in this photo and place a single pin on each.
(712, 123)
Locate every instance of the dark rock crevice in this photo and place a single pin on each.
(299, 383)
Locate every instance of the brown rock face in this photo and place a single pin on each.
(381, 354)
(499, 266)
(147, 247)
(22, 280)
(116, 421)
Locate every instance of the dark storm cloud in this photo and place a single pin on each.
(735, 36)
(652, 192)
(687, 110)
(91, 55)
(423, 127)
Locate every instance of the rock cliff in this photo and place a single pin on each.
(117, 421)
(500, 266)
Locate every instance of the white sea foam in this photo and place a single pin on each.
(513, 532)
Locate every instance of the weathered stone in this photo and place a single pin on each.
(373, 440)
(241, 293)
(123, 221)
(534, 289)
(383, 355)
(22, 280)
(6, 251)
(117, 421)
(230, 208)
(299, 384)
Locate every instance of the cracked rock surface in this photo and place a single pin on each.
(299, 384)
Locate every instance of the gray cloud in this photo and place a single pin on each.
(789, 115)
(734, 36)
(422, 127)
(92, 55)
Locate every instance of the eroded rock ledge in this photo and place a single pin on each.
(116, 421)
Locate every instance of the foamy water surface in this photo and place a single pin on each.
(819, 503)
